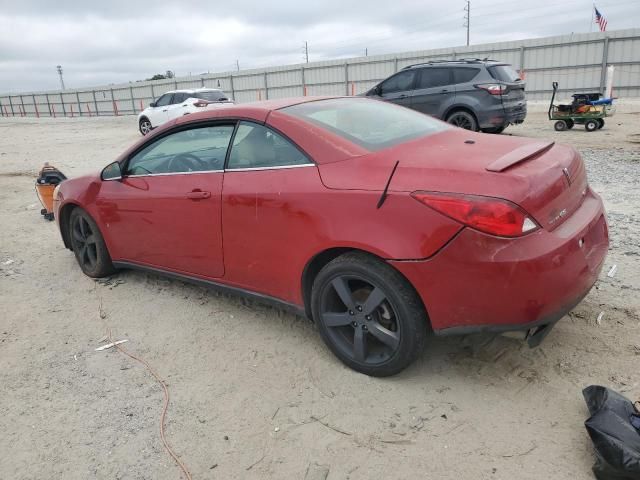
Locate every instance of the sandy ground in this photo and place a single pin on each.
(254, 392)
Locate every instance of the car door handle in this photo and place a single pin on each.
(164, 110)
(444, 90)
(403, 96)
(198, 195)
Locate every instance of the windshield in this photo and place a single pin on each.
(372, 124)
(211, 95)
(504, 73)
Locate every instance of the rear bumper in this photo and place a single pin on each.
(499, 115)
(479, 282)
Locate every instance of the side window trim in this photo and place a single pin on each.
(311, 162)
(179, 129)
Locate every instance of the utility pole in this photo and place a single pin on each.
(238, 65)
(467, 18)
(59, 69)
(306, 51)
(366, 52)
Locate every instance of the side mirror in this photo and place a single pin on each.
(111, 172)
(152, 104)
(377, 90)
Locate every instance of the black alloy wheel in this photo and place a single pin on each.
(360, 320)
(368, 314)
(88, 245)
(464, 120)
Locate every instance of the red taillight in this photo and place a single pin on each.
(487, 214)
(493, 88)
(200, 103)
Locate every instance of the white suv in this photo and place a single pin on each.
(176, 103)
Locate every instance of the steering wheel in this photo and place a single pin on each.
(186, 162)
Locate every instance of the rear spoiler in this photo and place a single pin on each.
(519, 155)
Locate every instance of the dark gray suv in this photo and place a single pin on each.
(474, 94)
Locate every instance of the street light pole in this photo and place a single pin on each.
(467, 18)
(59, 68)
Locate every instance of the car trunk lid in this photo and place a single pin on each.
(547, 180)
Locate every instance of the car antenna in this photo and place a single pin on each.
(383, 197)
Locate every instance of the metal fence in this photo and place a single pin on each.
(577, 62)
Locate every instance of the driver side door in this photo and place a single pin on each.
(399, 88)
(159, 114)
(165, 212)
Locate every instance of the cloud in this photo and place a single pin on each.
(100, 43)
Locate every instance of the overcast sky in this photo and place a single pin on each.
(115, 41)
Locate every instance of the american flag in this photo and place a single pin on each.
(600, 20)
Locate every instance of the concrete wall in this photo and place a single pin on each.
(577, 62)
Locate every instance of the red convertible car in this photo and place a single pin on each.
(377, 222)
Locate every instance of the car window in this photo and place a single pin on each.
(194, 150)
(256, 146)
(399, 82)
(211, 95)
(504, 73)
(180, 97)
(164, 100)
(464, 75)
(434, 77)
(372, 124)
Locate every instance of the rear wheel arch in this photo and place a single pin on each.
(313, 267)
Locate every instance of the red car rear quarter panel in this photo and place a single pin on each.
(276, 221)
(482, 280)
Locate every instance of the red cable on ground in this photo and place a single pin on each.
(164, 408)
(182, 466)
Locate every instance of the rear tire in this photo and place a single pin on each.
(463, 119)
(560, 126)
(600, 123)
(88, 245)
(591, 125)
(368, 315)
(570, 124)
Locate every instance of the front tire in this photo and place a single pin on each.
(88, 245)
(369, 316)
(145, 126)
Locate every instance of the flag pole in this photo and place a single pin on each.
(593, 20)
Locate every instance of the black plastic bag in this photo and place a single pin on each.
(616, 441)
